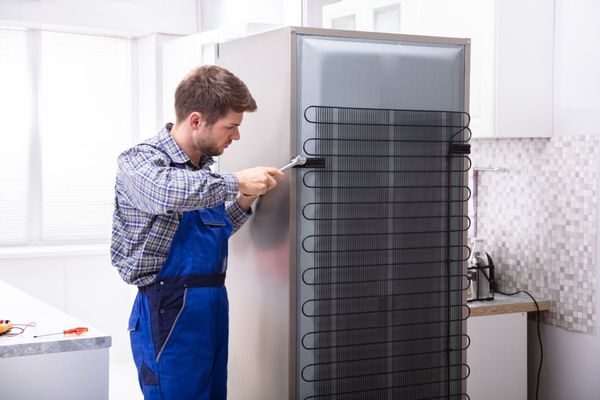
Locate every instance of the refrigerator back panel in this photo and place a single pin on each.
(380, 229)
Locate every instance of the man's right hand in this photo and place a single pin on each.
(258, 180)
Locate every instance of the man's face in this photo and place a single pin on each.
(213, 140)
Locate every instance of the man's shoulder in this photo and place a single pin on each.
(155, 144)
(149, 149)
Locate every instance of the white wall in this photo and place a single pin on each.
(217, 14)
(139, 17)
(577, 67)
(150, 70)
(571, 362)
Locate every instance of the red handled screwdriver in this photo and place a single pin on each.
(74, 331)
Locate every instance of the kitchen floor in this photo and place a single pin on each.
(123, 383)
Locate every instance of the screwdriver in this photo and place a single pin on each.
(74, 331)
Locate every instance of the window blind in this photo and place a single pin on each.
(15, 128)
(85, 116)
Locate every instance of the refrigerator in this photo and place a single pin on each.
(349, 280)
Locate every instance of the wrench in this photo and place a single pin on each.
(298, 160)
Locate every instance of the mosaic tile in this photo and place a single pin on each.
(538, 219)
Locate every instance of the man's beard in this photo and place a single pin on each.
(210, 149)
(213, 152)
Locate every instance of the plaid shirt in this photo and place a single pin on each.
(156, 182)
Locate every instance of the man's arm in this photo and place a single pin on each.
(239, 211)
(154, 187)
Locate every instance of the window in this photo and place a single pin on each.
(375, 15)
(67, 113)
(387, 19)
(348, 22)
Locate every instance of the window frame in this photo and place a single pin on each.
(33, 245)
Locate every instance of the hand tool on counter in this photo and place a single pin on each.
(75, 331)
(5, 325)
(304, 162)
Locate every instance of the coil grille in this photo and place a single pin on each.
(382, 252)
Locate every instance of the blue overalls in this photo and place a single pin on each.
(179, 324)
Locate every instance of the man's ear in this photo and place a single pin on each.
(196, 120)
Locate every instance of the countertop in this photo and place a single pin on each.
(21, 308)
(506, 304)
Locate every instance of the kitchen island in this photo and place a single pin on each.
(497, 355)
(50, 367)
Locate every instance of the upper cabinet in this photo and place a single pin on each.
(512, 52)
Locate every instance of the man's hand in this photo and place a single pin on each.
(258, 180)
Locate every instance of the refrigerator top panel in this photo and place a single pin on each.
(361, 72)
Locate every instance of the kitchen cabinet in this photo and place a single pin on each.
(512, 53)
(497, 354)
(512, 59)
(50, 367)
(497, 357)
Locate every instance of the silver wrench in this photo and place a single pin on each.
(298, 160)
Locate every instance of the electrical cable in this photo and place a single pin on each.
(18, 328)
(537, 307)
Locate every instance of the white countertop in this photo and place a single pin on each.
(21, 308)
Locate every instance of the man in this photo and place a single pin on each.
(171, 223)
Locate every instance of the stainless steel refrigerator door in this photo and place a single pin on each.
(258, 276)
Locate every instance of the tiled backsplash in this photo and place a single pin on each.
(538, 218)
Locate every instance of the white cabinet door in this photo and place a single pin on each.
(66, 375)
(524, 68)
(497, 357)
(512, 57)
(474, 19)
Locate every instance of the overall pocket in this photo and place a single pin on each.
(212, 217)
(138, 338)
(133, 327)
(216, 229)
(166, 305)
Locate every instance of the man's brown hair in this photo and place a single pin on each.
(212, 91)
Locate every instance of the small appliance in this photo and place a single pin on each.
(480, 273)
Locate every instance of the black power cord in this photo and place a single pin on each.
(537, 317)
